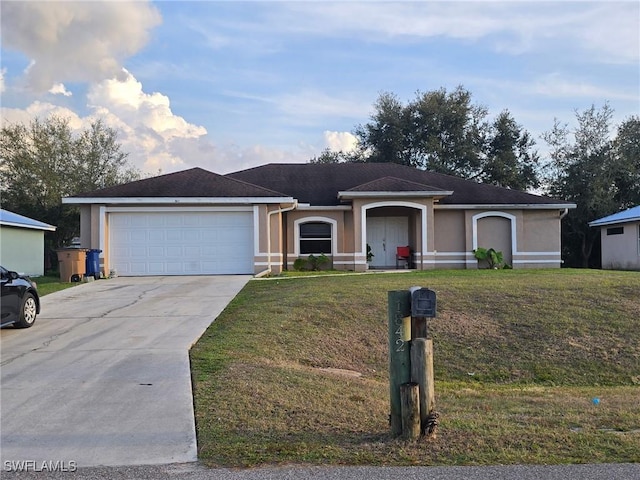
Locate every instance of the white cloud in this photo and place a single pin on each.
(150, 130)
(75, 41)
(155, 138)
(59, 89)
(41, 110)
(340, 141)
(2, 73)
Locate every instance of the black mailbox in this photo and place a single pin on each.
(423, 302)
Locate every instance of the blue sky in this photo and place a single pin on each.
(230, 85)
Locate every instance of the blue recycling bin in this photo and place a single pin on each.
(92, 264)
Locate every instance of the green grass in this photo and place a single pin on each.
(519, 356)
(49, 283)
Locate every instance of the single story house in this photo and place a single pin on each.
(22, 243)
(262, 219)
(620, 235)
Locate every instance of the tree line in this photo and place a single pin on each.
(594, 164)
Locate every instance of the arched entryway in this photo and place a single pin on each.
(391, 225)
(496, 230)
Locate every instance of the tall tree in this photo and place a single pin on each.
(387, 138)
(44, 161)
(511, 161)
(446, 132)
(626, 149)
(598, 173)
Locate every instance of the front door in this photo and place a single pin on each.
(384, 235)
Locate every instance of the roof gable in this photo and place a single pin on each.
(394, 184)
(195, 182)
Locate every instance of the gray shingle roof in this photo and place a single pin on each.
(195, 182)
(318, 183)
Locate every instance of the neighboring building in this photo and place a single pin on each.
(22, 243)
(264, 218)
(620, 235)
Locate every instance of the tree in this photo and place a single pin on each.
(511, 161)
(626, 148)
(387, 138)
(330, 156)
(600, 175)
(44, 161)
(448, 133)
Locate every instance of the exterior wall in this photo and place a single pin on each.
(22, 250)
(446, 239)
(538, 241)
(621, 252)
(527, 238)
(450, 239)
(495, 232)
(342, 235)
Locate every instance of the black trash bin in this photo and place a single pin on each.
(92, 264)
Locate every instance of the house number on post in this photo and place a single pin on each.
(411, 385)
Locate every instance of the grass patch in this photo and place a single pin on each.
(49, 283)
(519, 356)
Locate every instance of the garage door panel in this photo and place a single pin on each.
(136, 236)
(186, 243)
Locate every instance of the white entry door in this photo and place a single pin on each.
(384, 235)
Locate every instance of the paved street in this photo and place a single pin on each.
(194, 471)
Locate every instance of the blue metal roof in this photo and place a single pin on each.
(630, 215)
(11, 219)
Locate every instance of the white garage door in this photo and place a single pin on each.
(181, 243)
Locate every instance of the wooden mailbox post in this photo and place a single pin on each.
(411, 383)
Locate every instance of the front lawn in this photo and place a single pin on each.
(520, 357)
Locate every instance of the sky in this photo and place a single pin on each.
(229, 85)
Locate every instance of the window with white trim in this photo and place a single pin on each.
(315, 237)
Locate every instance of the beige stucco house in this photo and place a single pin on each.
(620, 239)
(262, 219)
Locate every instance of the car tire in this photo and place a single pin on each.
(27, 311)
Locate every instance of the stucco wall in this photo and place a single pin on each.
(621, 252)
(495, 232)
(22, 250)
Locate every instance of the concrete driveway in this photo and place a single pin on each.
(103, 376)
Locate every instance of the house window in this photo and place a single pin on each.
(615, 231)
(315, 237)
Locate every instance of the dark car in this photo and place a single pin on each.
(20, 302)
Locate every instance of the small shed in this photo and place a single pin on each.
(22, 243)
(620, 235)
